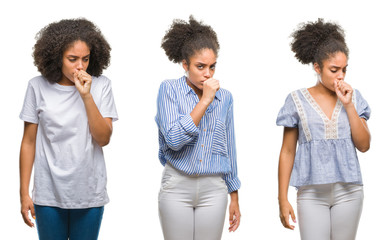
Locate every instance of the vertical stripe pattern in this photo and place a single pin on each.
(206, 149)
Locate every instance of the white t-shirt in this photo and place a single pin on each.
(69, 167)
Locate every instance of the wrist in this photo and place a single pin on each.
(86, 96)
(349, 106)
(206, 102)
(283, 199)
(24, 194)
(234, 196)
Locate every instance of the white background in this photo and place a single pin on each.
(255, 63)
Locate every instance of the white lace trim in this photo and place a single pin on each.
(330, 126)
(303, 118)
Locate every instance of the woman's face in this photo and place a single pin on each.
(334, 69)
(201, 67)
(74, 59)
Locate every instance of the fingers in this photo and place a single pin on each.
(343, 87)
(234, 218)
(343, 91)
(285, 221)
(234, 224)
(83, 77)
(33, 212)
(77, 81)
(210, 87)
(212, 83)
(26, 218)
(83, 82)
(293, 216)
(286, 210)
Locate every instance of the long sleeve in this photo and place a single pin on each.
(177, 129)
(231, 179)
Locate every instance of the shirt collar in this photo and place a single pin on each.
(187, 89)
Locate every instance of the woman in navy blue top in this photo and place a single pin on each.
(196, 139)
(328, 121)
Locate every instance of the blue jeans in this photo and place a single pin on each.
(55, 223)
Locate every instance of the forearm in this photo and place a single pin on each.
(177, 130)
(359, 131)
(234, 196)
(199, 111)
(27, 155)
(284, 172)
(100, 128)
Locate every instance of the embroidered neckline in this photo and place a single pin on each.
(331, 125)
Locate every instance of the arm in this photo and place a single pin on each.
(359, 131)
(211, 86)
(179, 129)
(232, 180)
(288, 151)
(100, 128)
(27, 155)
(234, 212)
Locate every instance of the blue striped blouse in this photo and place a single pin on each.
(197, 150)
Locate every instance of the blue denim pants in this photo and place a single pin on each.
(62, 224)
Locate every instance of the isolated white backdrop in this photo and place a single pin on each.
(255, 63)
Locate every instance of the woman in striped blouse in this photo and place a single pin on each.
(196, 139)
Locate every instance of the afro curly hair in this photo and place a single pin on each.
(182, 40)
(315, 42)
(55, 38)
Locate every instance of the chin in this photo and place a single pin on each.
(332, 89)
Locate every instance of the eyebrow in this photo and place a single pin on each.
(334, 66)
(205, 64)
(73, 56)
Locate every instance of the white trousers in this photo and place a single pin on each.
(329, 211)
(192, 207)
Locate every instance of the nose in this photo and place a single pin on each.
(341, 75)
(207, 73)
(79, 65)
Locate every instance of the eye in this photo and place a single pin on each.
(213, 67)
(344, 70)
(86, 59)
(72, 59)
(333, 70)
(200, 67)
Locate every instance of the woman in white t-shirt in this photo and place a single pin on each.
(68, 113)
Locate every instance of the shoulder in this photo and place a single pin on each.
(225, 92)
(38, 80)
(103, 80)
(357, 93)
(359, 99)
(294, 94)
(294, 98)
(225, 95)
(174, 83)
(357, 96)
(101, 83)
(39, 83)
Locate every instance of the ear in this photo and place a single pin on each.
(185, 65)
(317, 68)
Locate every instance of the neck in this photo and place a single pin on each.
(65, 81)
(321, 89)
